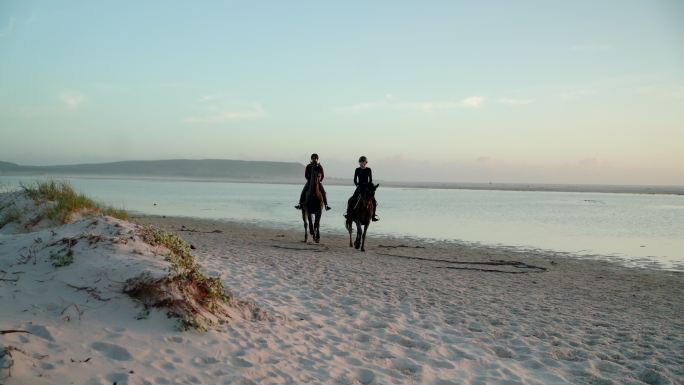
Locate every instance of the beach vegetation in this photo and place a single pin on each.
(60, 260)
(66, 201)
(186, 292)
(190, 322)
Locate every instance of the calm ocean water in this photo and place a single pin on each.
(640, 229)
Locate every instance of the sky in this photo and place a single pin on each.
(453, 91)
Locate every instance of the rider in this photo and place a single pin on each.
(314, 165)
(363, 178)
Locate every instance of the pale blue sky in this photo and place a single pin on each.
(524, 91)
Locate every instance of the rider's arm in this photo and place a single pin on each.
(356, 177)
(370, 176)
(307, 172)
(322, 174)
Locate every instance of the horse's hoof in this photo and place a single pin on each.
(362, 249)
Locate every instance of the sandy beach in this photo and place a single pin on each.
(412, 312)
(404, 312)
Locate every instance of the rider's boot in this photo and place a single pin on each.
(325, 202)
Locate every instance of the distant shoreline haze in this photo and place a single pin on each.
(222, 170)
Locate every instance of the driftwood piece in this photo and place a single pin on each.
(93, 292)
(183, 228)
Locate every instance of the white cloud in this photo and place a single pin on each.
(219, 115)
(515, 101)
(208, 98)
(472, 102)
(72, 99)
(390, 102)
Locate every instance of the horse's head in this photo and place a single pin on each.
(369, 193)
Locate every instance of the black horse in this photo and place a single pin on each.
(361, 213)
(313, 204)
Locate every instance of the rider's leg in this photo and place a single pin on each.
(351, 203)
(325, 198)
(375, 206)
(301, 196)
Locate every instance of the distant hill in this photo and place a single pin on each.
(174, 168)
(8, 166)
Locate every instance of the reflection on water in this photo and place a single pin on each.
(648, 227)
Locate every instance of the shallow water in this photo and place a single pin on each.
(643, 228)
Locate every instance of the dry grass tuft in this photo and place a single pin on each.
(186, 293)
(67, 201)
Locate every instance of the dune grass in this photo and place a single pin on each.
(197, 292)
(67, 201)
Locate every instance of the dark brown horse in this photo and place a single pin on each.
(313, 204)
(361, 214)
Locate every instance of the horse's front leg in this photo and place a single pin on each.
(348, 224)
(317, 228)
(357, 242)
(306, 234)
(363, 242)
(311, 225)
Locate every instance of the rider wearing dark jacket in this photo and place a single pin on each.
(363, 178)
(313, 166)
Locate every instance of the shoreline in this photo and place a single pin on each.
(473, 186)
(341, 237)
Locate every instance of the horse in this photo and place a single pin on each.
(313, 204)
(361, 214)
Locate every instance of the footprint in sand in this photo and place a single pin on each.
(118, 378)
(239, 362)
(365, 376)
(503, 352)
(115, 352)
(40, 331)
(203, 361)
(406, 366)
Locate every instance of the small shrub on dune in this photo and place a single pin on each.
(67, 201)
(186, 293)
